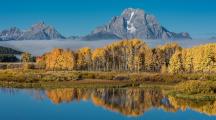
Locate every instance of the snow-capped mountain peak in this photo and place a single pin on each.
(136, 23)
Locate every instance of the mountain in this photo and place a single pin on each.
(11, 34)
(41, 31)
(134, 23)
(38, 31)
(100, 36)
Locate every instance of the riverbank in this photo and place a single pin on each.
(195, 90)
(188, 86)
(36, 75)
(26, 76)
(54, 79)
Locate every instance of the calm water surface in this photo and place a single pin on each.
(100, 104)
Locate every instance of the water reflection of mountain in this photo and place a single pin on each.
(129, 102)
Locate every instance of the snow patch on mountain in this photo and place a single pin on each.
(130, 26)
(135, 23)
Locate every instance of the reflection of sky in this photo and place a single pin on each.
(79, 17)
(38, 47)
(22, 106)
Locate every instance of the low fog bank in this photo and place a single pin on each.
(38, 47)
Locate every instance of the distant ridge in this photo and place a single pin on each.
(39, 31)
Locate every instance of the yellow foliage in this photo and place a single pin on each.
(58, 59)
(197, 59)
(84, 58)
(176, 63)
(25, 57)
(133, 55)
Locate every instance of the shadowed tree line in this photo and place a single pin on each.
(8, 54)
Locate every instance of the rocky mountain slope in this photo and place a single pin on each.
(135, 23)
(39, 31)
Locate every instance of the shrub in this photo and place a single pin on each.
(87, 75)
(28, 66)
(196, 87)
(121, 77)
(105, 75)
(3, 66)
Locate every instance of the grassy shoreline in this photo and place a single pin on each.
(71, 84)
(200, 96)
(202, 86)
(35, 75)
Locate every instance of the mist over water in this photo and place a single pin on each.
(38, 47)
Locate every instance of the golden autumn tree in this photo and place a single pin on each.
(53, 59)
(128, 55)
(145, 57)
(58, 59)
(69, 59)
(99, 59)
(162, 55)
(187, 59)
(204, 60)
(176, 65)
(113, 58)
(134, 55)
(25, 57)
(133, 58)
(197, 59)
(84, 61)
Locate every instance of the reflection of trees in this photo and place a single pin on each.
(127, 101)
(131, 102)
(206, 107)
(67, 95)
(9, 91)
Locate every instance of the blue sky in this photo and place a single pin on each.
(79, 17)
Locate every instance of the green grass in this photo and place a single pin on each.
(19, 75)
(41, 78)
(70, 84)
(195, 90)
(199, 96)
